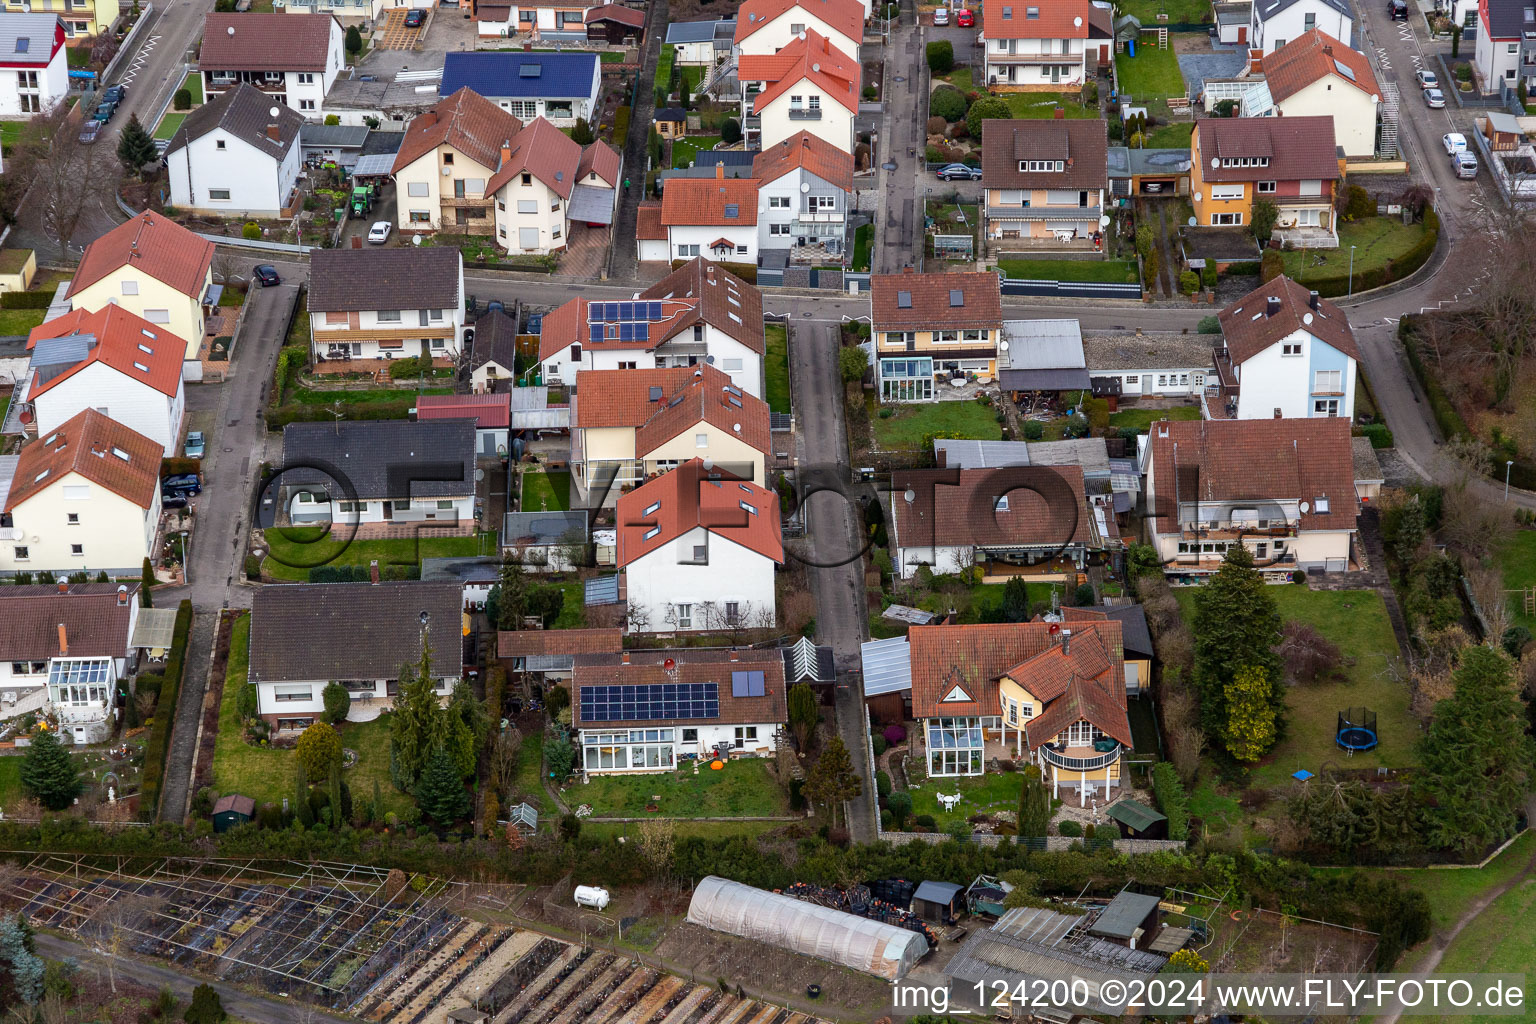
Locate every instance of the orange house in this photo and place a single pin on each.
(1291, 161)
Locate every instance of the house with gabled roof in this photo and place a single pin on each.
(1294, 349)
(804, 184)
(808, 85)
(494, 352)
(1034, 46)
(630, 425)
(764, 27)
(1282, 488)
(559, 87)
(1293, 162)
(235, 157)
(112, 361)
(698, 313)
(1274, 23)
(155, 268)
(1045, 182)
(293, 60)
(385, 304)
(84, 497)
(1318, 75)
(35, 76)
(715, 218)
(1505, 47)
(697, 547)
(931, 328)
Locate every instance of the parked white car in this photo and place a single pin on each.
(1426, 79)
(1454, 142)
(379, 233)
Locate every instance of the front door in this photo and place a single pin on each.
(389, 510)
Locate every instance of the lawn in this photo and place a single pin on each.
(19, 321)
(863, 242)
(909, 426)
(295, 550)
(1191, 12)
(776, 366)
(684, 150)
(193, 83)
(1171, 136)
(1356, 621)
(742, 789)
(529, 784)
(960, 78)
(1376, 241)
(546, 491)
(982, 794)
(1451, 892)
(1502, 940)
(314, 396)
(10, 780)
(265, 774)
(1104, 271)
(984, 598)
(1042, 105)
(1141, 419)
(371, 741)
(168, 125)
(78, 56)
(573, 613)
(1151, 73)
(10, 131)
(1518, 564)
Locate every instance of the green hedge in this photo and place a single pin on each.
(621, 124)
(1336, 284)
(362, 573)
(159, 742)
(176, 465)
(1168, 791)
(1380, 436)
(1248, 267)
(393, 409)
(1446, 417)
(26, 300)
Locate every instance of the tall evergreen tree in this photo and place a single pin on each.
(804, 712)
(440, 791)
(19, 955)
(135, 147)
(48, 773)
(336, 808)
(513, 597)
(1016, 601)
(831, 780)
(147, 580)
(1236, 625)
(206, 1007)
(301, 810)
(418, 725)
(1475, 763)
(1034, 803)
(1249, 732)
(466, 728)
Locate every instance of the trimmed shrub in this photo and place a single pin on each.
(894, 734)
(1189, 282)
(877, 741)
(251, 232)
(158, 743)
(1380, 435)
(925, 821)
(946, 102)
(882, 783)
(1208, 274)
(1169, 794)
(1209, 325)
(1034, 430)
(1068, 827)
(182, 100)
(26, 300)
(941, 57)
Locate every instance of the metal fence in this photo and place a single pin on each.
(1072, 289)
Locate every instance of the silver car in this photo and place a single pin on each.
(941, 16)
(1435, 98)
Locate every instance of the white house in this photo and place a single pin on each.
(764, 27)
(1285, 352)
(697, 313)
(85, 497)
(306, 636)
(804, 184)
(1283, 488)
(701, 43)
(114, 362)
(490, 412)
(1276, 22)
(1164, 364)
(385, 304)
(238, 155)
(352, 9)
(559, 87)
(698, 548)
(715, 218)
(1505, 50)
(34, 74)
(1036, 46)
(645, 711)
(808, 85)
(629, 425)
(1317, 74)
(67, 649)
(153, 267)
(376, 473)
(293, 60)
(547, 22)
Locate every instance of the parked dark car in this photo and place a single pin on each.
(115, 94)
(90, 131)
(105, 110)
(415, 19)
(266, 275)
(186, 483)
(958, 172)
(1398, 9)
(172, 501)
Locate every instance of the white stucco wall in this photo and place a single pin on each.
(657, 583)
(1283, 26)
(218, 163)
(114, 534)
(1353, 113)
(52, 84)
(835, 124)
(135, 405)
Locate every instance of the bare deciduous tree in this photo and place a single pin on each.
(504, 759)
(658, 840)
(639, 616)
(69, 178)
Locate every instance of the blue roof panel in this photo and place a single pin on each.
(522, 75)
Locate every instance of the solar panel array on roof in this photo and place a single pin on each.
(621, 311)
(653, 702)
(747, 684)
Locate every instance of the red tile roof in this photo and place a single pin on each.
(1231, 461)
(1296, 148)
(847, 16)
(1313, 56)
(1051, 19)
(131, 345)
(601, 159)
(488, 411)
(975, 657)
(525, 642)
(813, 59)
(929, 302)
(1047, 508)
(687, 665)
(687, 396)
(648, 222)
(266, 42)
(616, 12)
(544, 151)
(468, 122)
(814, 154)
(568, 324)
(1249, 327)
(1084, 701)
(690, 497)
(153, 244)
(102, 450)
(764, 67)
(696, 202)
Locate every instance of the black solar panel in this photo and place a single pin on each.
(747, 684)
(596, 333)
(655, 702)
(655, 310)
(626, 332)
(626, 311)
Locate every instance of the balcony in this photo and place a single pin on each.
(1066, 760)
(805, 113)
(820, 217)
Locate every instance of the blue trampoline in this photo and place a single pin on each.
(1357, 730)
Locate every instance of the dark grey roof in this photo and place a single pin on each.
(1134, 636)
(1124, 162)
(383, 458)
(247, 113)
(1124, 915)
(670, 114)
(379, 143)
(1506, 18)
(1269, 8)
(541, 529)
(495, 341)
(54, 356)
(359, 279)
(697, 31)
(600, 590)
(314, 631)
(1043, 380)
(461, 570)
(937, 892)
(333, 136)
(38, 30)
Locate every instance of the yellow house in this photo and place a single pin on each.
(1291, 161)
(17, 268)
(155, 268)
(930, 328)
(80, 18)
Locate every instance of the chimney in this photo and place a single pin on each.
(122, 596)
(63, 588)
(1271, 306)
(63, 640)
(719, 172)
(624, 658)
(373, 571)
(733, 655)
(275, 133)
(1255, 62)
(506, 152)
(1066, 641)
(1315, 301)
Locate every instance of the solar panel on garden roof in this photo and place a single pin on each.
(653, 702)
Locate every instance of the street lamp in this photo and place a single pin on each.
(1351, 270)
(1507, 466)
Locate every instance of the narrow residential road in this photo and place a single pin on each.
(623, 258)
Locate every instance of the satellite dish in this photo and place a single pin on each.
(1193, 222)
(736, 427)
(805, 186)
(1077, 22)
(815, 67)
(1306, 318)
(909, 496)
(1306, 507)
(1103, 222)
(1197, 197)
(273, 111)
(230, 30)
(709, 360)
(447, 172)
(479, 475)
(1002, 346)
(415, 239)
(1215, 161)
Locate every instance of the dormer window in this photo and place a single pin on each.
(1321, 506)
(652, 533)
(1031, 13)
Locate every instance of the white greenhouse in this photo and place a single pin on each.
(874, 947)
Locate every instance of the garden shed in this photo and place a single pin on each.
(1137, 820)
(835, 936)
(231, 810)
(938, 901)
(1129, 920)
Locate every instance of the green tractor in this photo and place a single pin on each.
(362, 200)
